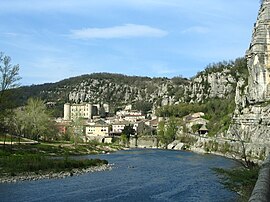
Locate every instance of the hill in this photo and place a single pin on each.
(216, 81)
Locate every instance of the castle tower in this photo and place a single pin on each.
(89, 111)
(67, 111)
(258, 57)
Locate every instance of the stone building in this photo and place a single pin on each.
(98, 131)
(84, 110)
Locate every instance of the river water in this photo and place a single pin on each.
(137, 175)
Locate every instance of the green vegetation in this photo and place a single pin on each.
(240, 180)
(217, 111)
(167, 131)
(126, 133)
(211, 146)
(32, 121)
(236, 68)
(225, 148)
(179, 110)
(21, 158)
(195, 128)
(58, 148)
(14, 139)
(9, 75)
(143, 106)
(13, 165)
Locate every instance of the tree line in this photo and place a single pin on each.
(33, 120)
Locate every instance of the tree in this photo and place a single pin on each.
(127, 132)
(236, 131)
(33, 121)
(18, 123)
(77, 129)
(143, 106)
(167, 132)
(102, 112)
(37, 118)
(161, 131)
(171, 130)
(9, 74)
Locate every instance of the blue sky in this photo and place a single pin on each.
(56, 39)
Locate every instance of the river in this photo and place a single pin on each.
(137, 175)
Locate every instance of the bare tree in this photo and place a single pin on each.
(239, 135)
(9, 74)
(77, 126)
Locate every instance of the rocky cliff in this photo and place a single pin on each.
(217, 80)
(251, 121)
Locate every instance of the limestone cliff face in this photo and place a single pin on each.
(258, 57)
(158, 91)
(212, 85)
(251, 121)
(217, 81)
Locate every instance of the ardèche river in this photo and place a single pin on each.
(137, 175)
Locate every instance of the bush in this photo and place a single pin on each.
(240, 180)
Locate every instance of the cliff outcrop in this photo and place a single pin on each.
(251, 121)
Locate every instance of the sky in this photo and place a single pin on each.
(56, 39)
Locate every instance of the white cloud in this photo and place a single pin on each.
(124, 31)
(196, 29)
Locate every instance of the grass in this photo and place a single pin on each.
(20, 158)
(14, 139)
(59, 148)
(15, 164)
(240, 180)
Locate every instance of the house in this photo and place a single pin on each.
(99, 131)
(152, 123)
(62, 126)
(118, 127)
(134, 118)
(195, 119)
(139, 127)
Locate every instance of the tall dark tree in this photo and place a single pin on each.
(128, 131)
(102, 112)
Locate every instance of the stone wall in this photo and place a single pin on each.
(261, 191)
(143, 142)
(219, 146)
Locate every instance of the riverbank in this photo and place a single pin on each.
(33, 176)
(22, 162)
(203, 145)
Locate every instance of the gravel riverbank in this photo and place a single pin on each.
(52, 175)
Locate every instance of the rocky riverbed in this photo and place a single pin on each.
(50, 175)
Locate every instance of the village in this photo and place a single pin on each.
(97, 125)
